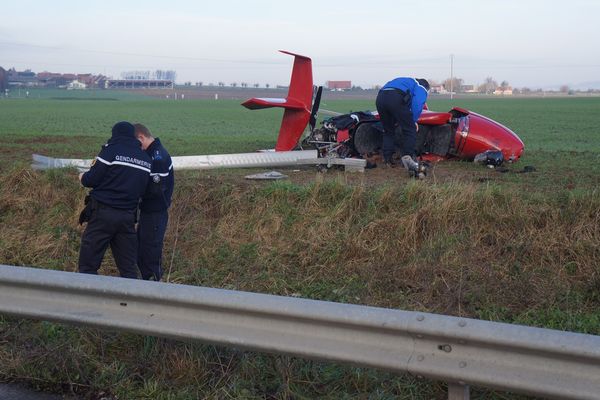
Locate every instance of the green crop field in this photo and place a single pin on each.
(469, 241)
(561, 135)
(558, 124)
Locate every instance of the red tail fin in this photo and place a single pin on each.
(297, 104)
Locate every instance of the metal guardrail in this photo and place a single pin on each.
(462, 351)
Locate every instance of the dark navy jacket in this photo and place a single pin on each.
(417, 93)
(119, 174)
(160, 186)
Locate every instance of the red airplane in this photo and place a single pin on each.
(456, 134)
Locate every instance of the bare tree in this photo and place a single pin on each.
(267, 85)
(564, 89)
(488, 86)
(455, 84)
(256, 85)
(233, 84)
(504, 85)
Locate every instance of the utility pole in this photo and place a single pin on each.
(451, 76)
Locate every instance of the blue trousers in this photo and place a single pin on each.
(151, 234)
(114, 227)
(397, 119)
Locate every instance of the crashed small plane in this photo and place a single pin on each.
(456, 134)
(347, 139)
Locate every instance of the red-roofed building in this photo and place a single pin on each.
(338, 85)
(503, 91)
(21, 78)
(53, 79)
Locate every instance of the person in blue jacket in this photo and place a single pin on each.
(154, 214)
(399, 104)
(118, 178)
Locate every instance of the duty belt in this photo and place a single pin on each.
(406, 97)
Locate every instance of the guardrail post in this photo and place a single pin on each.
(457, 391)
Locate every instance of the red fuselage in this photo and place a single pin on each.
(474, 134)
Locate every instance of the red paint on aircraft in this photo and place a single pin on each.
(457, 134)
(297, 104)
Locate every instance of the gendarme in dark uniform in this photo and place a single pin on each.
(118, 178)
(154, 208)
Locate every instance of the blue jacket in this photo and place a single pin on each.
(417, 93)
(160, 186)
(119, 174)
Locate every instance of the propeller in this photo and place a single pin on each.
(315, 108)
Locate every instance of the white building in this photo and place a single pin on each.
(506, 91)
(76, 85)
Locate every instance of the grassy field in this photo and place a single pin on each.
(560, 135)
(521, 248)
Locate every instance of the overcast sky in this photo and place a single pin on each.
(532, 43)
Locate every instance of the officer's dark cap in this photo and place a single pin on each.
(123, 128)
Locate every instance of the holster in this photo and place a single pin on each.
(86, 213)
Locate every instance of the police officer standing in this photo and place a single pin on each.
(399, 104)
(118, 178)
(155, 204)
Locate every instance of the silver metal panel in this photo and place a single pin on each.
(350, 164)
(42, 162)
(244, 160)
(522, 359)
(241, 160)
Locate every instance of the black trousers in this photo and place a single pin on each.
(151, 234)
(114, 227)
(397, 119)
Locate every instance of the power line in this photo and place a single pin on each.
(66, 48)
(366, 61)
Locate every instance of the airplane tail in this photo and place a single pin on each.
(297, 104)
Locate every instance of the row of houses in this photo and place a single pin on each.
(13, 79)
(438, 89)
(499, 91)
